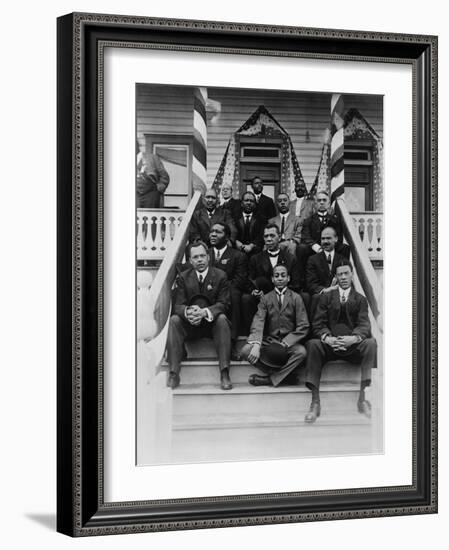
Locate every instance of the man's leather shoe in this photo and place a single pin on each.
(364, 407)
(173, 380)
(225, 380)
(259, 380)
(314, 412)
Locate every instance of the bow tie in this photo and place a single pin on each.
(273, 254)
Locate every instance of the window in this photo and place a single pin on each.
(358, 177)
(175, 153)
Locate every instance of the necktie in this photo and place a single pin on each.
(329, 259)
(217, 256)
(246, 235)
(282, 226)
(343, 298)
(279, 300)
(200, 279)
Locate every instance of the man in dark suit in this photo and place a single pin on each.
(320, 270)
(228, 202)
(204, 218)
(250, 227)
(200, 308)
(261, 272)
(235, 265)
(288, 224)
(281, 319)
(152, 180)
(341, 330)
(264, 205)
(314, 225)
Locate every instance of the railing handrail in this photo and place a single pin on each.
(366, 212)
(362, 263)
(160, 291)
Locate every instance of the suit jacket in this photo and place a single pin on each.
(306, 210)
(292, 227)
(234, 207)
(256, 227)
(234, 264)
(318, 274)
(312, 227)
(200, 224)
(328, 312)
(215, 288)
(260, 268)
(290, 323)
(265, 207)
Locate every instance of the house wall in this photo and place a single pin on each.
(169, 110)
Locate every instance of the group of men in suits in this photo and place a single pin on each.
(256, 270)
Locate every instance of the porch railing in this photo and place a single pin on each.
(156, 229)
(370, 228)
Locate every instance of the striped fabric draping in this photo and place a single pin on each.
(337, 147)
(199, 161)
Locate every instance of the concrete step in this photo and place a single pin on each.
(197, 402)
(243, 443)
(207, 372)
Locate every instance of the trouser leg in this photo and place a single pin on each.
(177, 332)
(316, 357)
(296, 355)
(236, 297)
(368, 354)
(221, 333)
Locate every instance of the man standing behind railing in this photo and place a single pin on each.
(152, 180)
(201, 304)
(206, 216)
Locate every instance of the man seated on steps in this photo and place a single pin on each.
(321, 268)
(279, 326)
(260, 269)
(235, 264)
(341, 330)
(197, 286)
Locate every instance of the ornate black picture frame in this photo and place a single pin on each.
(81, 508)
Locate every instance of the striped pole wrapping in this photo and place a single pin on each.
(199, 162)
(337, 147)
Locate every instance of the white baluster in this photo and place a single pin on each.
(370, 235)
(380, 237)
(158, 243)
(140, 237)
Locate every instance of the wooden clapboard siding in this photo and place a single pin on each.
(163, 110)
(370, 107)
(296, 112)
(169, 110)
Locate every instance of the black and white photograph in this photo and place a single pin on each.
(259, 274)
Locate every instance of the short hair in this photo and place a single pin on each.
(257, 178)
(208, 191)
(343, 263)
(280, 195)
(272, 226)
(329, 227)
(322, 193)
(226, 184)
(248, 193)
(281, 265)
(194, 245)
(226, 228)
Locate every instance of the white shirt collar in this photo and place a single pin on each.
(331, 253)
(344, 293)
(245, 215)
(203, 274)
(220, 251)
(280, 292)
